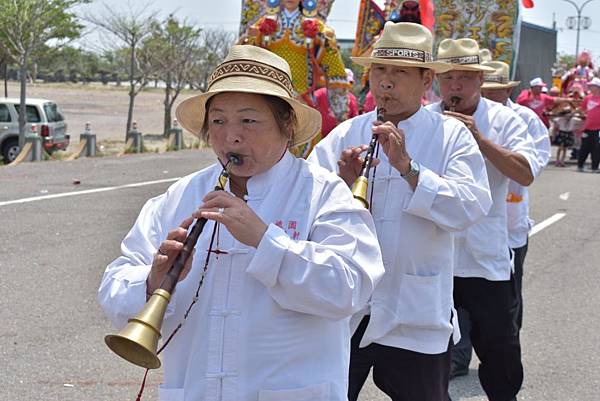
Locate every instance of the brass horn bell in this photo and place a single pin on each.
(138, 341)
(359, 191)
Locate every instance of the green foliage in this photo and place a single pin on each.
(27, 25)
(565, 59)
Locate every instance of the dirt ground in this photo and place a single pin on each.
(105, 108)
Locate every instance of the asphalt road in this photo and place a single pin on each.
(54, 250)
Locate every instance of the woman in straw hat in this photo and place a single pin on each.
(483, 283)
(430, 181)
(288, 259)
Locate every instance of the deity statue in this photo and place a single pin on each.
(296, 30)
(580, 74)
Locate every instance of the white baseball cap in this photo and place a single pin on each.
(537, 82)
(595, 81)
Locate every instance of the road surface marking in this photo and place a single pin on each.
(564, 196)
(87, 191)
(546, 223)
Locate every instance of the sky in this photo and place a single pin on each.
(344, 13)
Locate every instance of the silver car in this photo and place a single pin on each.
(43, 117)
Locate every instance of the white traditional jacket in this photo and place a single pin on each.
(271, 323)
(482, 249)
(517, 207)
(412, 307)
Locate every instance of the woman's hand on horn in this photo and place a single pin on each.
(235, 215)
(165, 256)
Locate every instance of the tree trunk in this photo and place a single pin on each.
(167, 103)
(23, 99)
(131, 90)
(5, 72)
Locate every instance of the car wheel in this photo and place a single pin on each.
(10, 150)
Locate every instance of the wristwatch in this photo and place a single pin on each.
(414, 170)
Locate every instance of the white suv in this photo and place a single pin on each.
(43, 117)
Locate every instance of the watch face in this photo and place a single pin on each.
(414, 169)
(414, 166)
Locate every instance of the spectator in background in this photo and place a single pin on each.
(327, 115)
(536, 100)
(589, 139)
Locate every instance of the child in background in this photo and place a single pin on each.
(565, 120)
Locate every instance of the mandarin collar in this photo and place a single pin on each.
(260, 184)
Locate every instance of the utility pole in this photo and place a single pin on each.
(571, 25)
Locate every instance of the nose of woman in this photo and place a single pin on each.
(234, 134)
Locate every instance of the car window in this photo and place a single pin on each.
(4, 114)
(53, 113)
(33, 116)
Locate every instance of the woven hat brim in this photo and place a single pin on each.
(496, 85)
(191, 112)
(437, 66)
(471, 67)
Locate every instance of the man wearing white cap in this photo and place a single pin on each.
(483, 282)
(429, 182)
(537, 100)
(589, 139)
(497, 86)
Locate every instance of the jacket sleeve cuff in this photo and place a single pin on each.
(267, 260)
(425, 193)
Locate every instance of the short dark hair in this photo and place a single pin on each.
(283, 112)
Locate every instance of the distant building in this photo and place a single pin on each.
(537, 55)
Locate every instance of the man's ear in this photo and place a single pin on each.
(481, 81)
(428, 77)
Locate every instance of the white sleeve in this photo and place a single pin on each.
(541, 141)
(461, 195)
(122, 292)
(516, 138)
(327, 152)
(331, 274)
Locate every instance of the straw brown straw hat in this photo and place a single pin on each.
(461, 54)
(251, 69)
(485, 55)
(498, 79)
(404, 44)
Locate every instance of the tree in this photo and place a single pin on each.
(131, 28)
(172, 46)
(26, 26)
(215, 46)
(4, 59)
